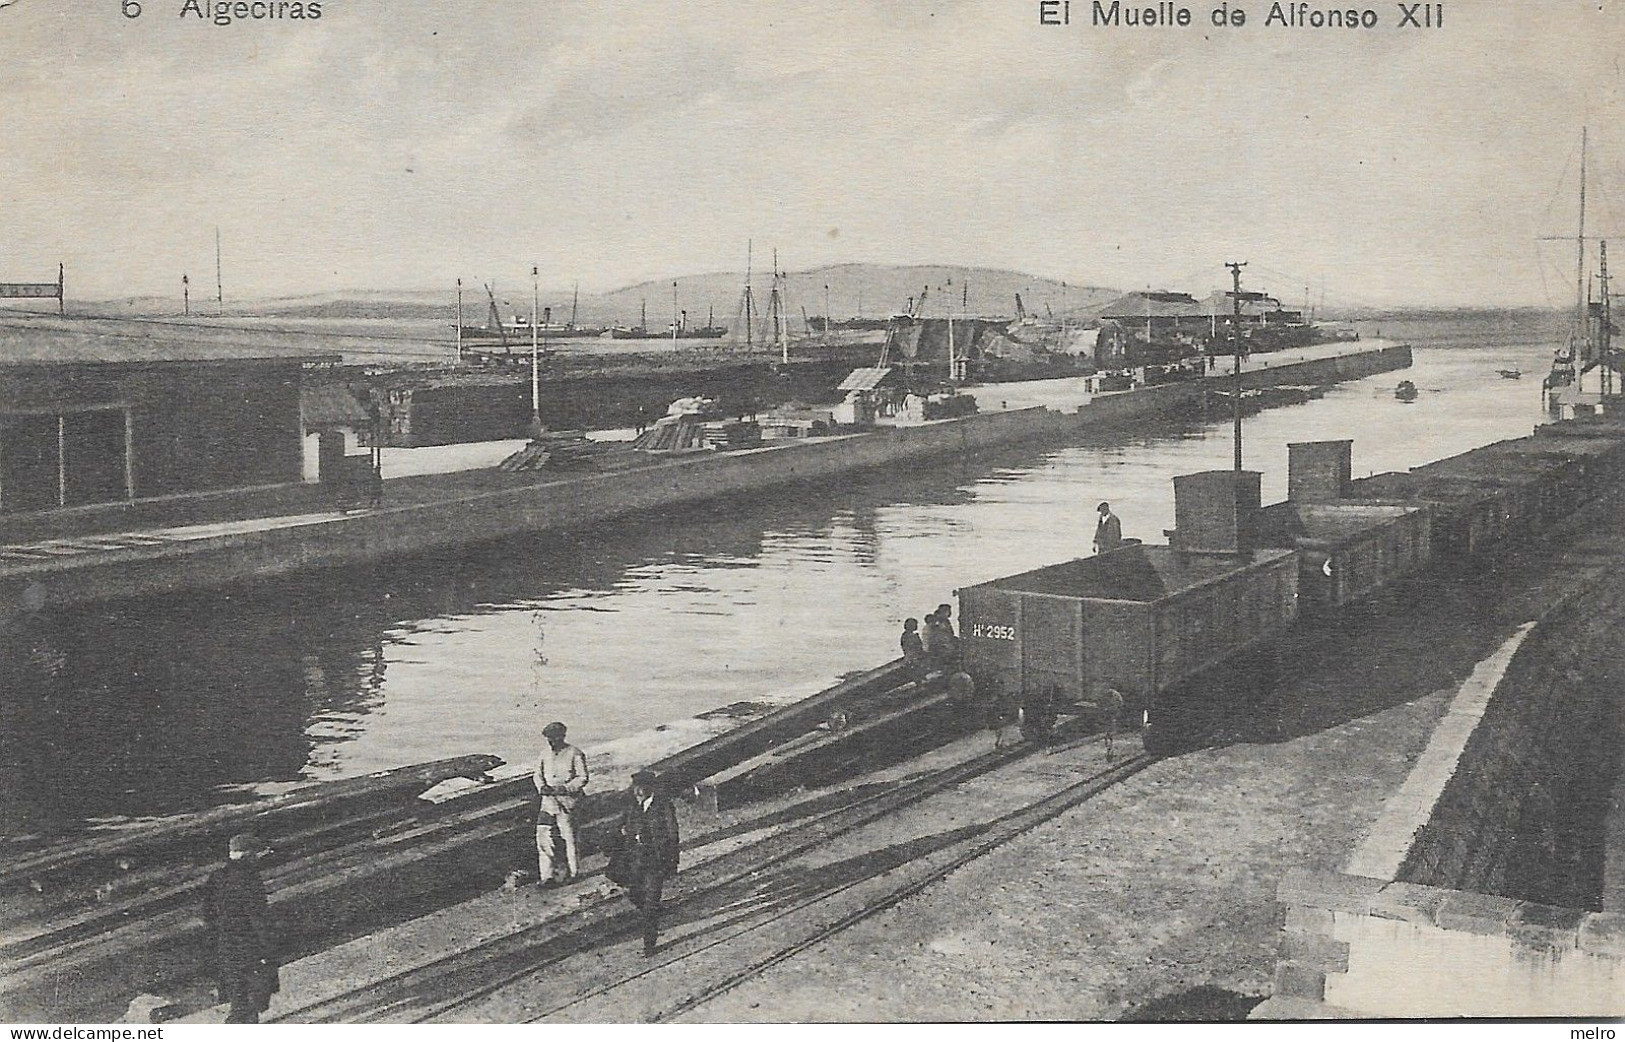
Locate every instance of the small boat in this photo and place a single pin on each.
(1510, 374)
(1406, 391)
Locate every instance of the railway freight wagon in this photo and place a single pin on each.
(1146, 621)
(1467, 511)
(1546, 489)
(1465, 518)
(1600, 460)
(1347, 551)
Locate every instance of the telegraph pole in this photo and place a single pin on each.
(535, 355)
(1607, 350)
(1235, 344)
(186, 294)
(459, 321)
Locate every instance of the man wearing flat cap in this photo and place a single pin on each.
(561, 777)
(649, 846)
(1108, 530)
(245, 961)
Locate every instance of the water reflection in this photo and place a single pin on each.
(154, 706)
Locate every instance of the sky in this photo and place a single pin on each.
(394, 145)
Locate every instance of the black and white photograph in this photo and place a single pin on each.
(876, 512)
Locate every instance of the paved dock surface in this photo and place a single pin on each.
(974, 885)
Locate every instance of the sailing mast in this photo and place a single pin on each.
(1606, 348)
(750, 245)
(575, 301)
(219, 280)
(1582, 322)
(776, 308)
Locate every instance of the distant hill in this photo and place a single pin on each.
(879, 289)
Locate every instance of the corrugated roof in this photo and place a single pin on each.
(1159, 304)
(864, 379)
(1253, 305)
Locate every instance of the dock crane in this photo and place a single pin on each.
(495, 320)
(916, 305)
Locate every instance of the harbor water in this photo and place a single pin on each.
(153, 707)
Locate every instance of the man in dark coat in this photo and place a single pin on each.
(244, 953)
(1108, 530)
(943, 644)
(649, 840)
(914, 649)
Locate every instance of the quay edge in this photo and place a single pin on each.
(325, 541)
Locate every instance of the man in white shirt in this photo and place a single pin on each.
(561, 777)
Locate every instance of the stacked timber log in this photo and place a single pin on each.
(693, 434)
(554, 450)
(732, 434)
(694, 425)
(673, 434)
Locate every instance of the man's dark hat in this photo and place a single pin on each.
(554, 730)
(1104, 506)
(645, 779)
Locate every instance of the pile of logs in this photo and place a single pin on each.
(554, 449)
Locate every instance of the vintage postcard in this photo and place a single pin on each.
(868, 511)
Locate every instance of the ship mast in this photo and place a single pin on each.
(1606, 347)
(777, 309)
(1581, 328)
(750, 245)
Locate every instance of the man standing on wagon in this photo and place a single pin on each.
(1108, 531)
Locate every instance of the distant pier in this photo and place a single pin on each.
(447, 512)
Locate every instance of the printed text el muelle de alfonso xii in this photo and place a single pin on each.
(1118, 15)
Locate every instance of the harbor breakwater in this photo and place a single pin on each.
(281, 546)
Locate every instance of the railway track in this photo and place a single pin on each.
(516, 977)
(802, 926)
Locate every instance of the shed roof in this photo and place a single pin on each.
(1223, 302)
(330, 405)
(1153, 304)
(47, 340)
(864, 379)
